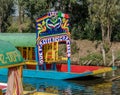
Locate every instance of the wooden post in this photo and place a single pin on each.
(27, 53)
(21, 69)
(31, 50)
(113, 61)
(21, 49)
(104, 59)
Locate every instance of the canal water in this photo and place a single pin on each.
(92, 85)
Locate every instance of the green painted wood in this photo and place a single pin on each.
(20, 39)
(9, 55)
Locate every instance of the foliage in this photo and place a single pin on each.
(6, 9)
(74, 48)
(104, 12)
(118, 55)
(78, 13)
(116, 34)
(62, 50)
(87, 17)
(76, 32)
(14, 26)
(96, 58)
(106, 47)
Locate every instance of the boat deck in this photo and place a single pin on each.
(74, 68)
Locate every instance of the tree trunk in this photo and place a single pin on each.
(109, 30)
(0, 24)
(106, 33)
(103, 33)
(106, 37)
(20, 20)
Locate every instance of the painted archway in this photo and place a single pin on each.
(52, 27)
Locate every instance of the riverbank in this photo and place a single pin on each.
(85, 52)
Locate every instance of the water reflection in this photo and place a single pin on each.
(55, 86)
(85, 86)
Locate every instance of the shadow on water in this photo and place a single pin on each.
(90, 85)
(88, 80)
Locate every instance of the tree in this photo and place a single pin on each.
(116, 34)
(104, 12)
(20, 4)
(35, 9)
(6, 9)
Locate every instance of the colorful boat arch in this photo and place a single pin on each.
(52, 28)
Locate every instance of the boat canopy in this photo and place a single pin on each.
(9, 55)
(20, 39)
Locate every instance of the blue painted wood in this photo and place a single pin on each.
(44, 66)
(48, 74)
(36, 56)
(37, 82)
(52, 74)
(68, 62)
(4, 71)
(53, 66)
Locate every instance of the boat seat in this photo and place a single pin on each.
(31, 62)
(62, 58)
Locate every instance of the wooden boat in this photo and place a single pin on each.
(41, 50)
(76, 71)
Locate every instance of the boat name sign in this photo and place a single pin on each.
(9, 57)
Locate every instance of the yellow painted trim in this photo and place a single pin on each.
(27, 53)
(38, 93)
(13, 65)
(21, 49)
(31, 62)
(30, 53)
(53, 35)
(102, 70)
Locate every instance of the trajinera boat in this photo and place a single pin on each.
(41, 50)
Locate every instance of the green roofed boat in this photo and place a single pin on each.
(9, 55)
(11, 58)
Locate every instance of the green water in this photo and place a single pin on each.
(92, 85)
(87, 86)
